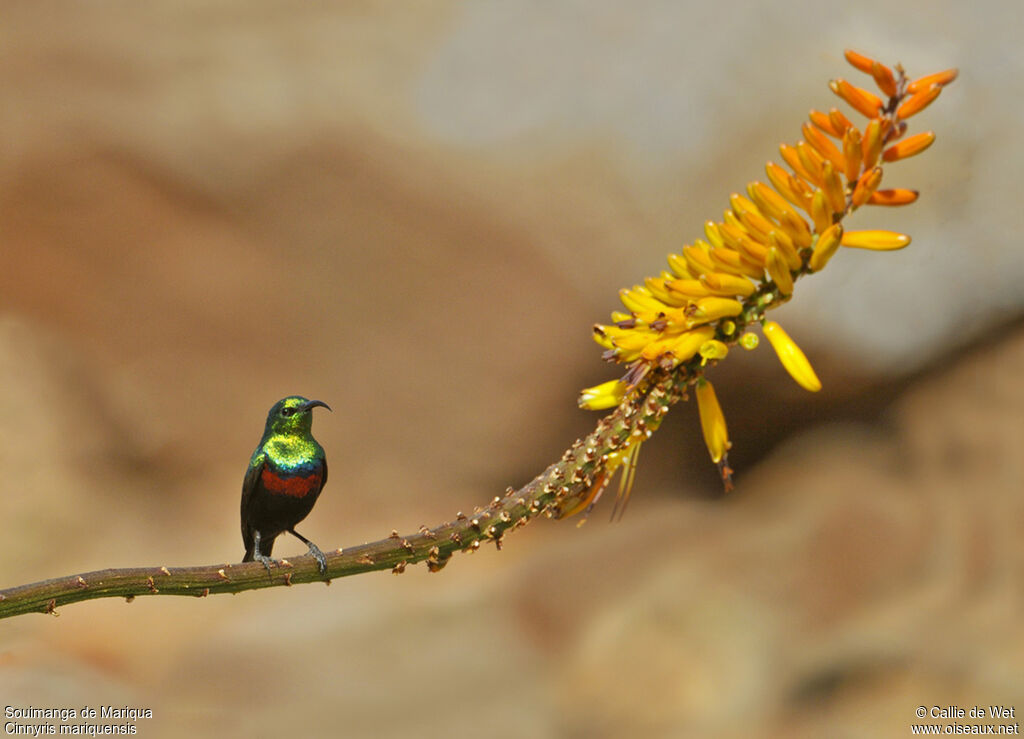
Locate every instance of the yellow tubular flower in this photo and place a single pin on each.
(786, 247)
(833, 187)
(711, 309)
(918, 102)
(828, 244)
(688, 289)
(747, 263)
(690, 343)
(872, 142)
(679, 267)
(778, 270)
(898, 196)
(908, 147)
(853, 154)
(824, 123)
(821, 214)
(792, 358)
(723, 284)
(712, 421)
(876, 240)
(604, 396)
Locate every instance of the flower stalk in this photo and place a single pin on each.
(717, 289)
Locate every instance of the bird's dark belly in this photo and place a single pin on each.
(280, 501)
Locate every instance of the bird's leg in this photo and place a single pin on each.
(313, 549)
(264, 559)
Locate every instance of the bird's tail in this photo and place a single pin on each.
(249, 544)
(266, 546)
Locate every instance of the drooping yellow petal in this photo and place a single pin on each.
(626, 481)
(601, 397)
(712, 421)
(877, 240)
(792, 358)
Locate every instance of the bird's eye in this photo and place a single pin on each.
(287, 412)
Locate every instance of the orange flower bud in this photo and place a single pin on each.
(909, 146)
(918, 102)
(896, 196)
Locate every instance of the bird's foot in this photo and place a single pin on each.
(319, 557)
(265, 560)
(314, 550)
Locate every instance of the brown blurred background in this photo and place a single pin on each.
(415, 212)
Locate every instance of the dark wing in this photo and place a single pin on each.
(324, 481)
(252, 479)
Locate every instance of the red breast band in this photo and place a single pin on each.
(297, 487)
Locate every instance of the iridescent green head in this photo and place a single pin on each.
(292, 415)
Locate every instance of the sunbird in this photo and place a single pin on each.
(285, 476)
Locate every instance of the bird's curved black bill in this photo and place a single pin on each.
(313, 404)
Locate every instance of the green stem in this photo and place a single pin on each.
(556, 490)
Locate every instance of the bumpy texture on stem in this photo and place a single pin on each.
(557, 490)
